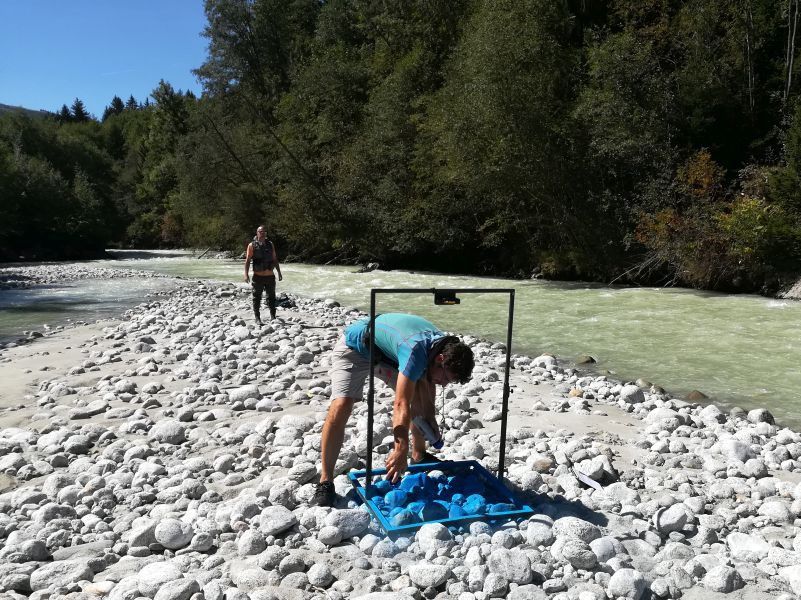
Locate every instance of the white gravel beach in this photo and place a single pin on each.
(171, 454)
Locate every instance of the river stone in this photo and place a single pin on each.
(427, 575)
(760, 415)
(173, 534)
(576, 552)
(433, 536)
(539, 462)
(77, 444)
(251, 542)
(243, 393)
(722, 579)
(384, 549)
(179, 589)
(286, 436)
(169, 432)
(252, 578)
(60, 573)
(303, 356)
(299, 422)
(276, 519)
(51, 511)
(56, 481)
(606, 547)
(748, 548)
(528, 592)
(90, 410)
(154, 387)
(302, 472)
(125, 386)
(384, 596)
(627, 583)
(735, 450)
(792, 575)
(514, 565)
(544, 361)
(673, 518)
(329, 535)
(350, 522)
(576, 528)
(777, 511)
(631, 394)
(88, 550)
(756, 468)
(320, 575)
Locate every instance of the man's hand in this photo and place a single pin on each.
(247, 278)
(397, 462)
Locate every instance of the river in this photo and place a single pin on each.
(740, 350)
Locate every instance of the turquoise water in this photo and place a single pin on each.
(741, 350)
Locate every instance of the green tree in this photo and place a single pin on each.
(115, 108)
(64, 115)
(79, 113)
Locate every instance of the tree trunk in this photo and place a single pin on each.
(791, 49)
(749, 32)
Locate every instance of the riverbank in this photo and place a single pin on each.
(172, 453)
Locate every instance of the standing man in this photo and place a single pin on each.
(261, 252)
(413, 357)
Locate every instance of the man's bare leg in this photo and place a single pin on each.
(334, 435)
(423, 404)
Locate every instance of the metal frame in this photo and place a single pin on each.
(435, 291)
(448, 467)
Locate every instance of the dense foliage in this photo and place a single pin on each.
(626, 140)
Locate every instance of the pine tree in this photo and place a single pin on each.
(64, 115)
(117, 105)
(131, 104)
(79, 113)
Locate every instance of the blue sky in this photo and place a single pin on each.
(53, 51)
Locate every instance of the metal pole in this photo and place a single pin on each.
(371, 387)
(370, 394)
(505, 409)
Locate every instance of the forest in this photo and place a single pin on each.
(622, 141)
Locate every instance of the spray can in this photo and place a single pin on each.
(423, 425)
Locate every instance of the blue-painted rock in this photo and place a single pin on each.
(379, 488)
(500, 507)
(476, 504)
(405, 517)
(433, 511)
(413, 480)
(396, 498)
(455, 511)
(416, 506)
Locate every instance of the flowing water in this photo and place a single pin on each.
(739, 349)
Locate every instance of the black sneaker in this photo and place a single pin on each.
(324, 495)
(426, 458)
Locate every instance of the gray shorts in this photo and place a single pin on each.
(349, 371)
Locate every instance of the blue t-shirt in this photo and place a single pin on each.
(404, 340)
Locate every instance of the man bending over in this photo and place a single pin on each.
(413, 357)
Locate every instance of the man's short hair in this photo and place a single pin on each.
(457, 358)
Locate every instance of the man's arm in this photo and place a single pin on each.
(397, 460)
(248, 258)
(276, 266)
